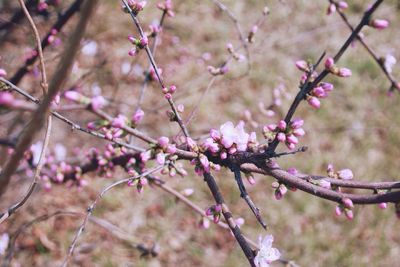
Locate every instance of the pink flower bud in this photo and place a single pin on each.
(132, 52)
(299, 132)
(271, 127)
(254, 29)
(325, 184)
(223, 155)
(328, 87)
(291, 146)
(379, 24)
(171, 149)
(119, 121)
(281, 137)
(292, 139)
(3, 73)
(319, 92)
(348, 203)
(215, 134)
(345, 174)
(73, 96)
(172, 89)
(296, 123)
(6, 99)
(314, 102)
(331, 9)
(168, 96)
(293, 171)
(344, 72)
(138, 116)
(282, 125)
(163, 141)
(338, 211)
(383, 205)
(144, 41)
(98, 102)
(278, 195)
(329, 63)
(160, 158)
(349, 214)
(302, 65)
(343, 5)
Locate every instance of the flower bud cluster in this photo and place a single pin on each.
(341, 5)
(215, 211)
(318, 92)
(332, 68)
(139, 44)
(218, 71)
(135, 6)
(344, 174)
(168, 92)
(347, 207)
(167, 7)
(285, 133)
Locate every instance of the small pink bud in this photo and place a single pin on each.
(271, 127)
(319, 92)
(3, 73)
(73, 96)
(293, 171)
(296, 123)
(349, 214)
(132, 52)
(291, 146)
(144, 41)
(344, 72)
(168, 96)
(328, 87)
(98, 102)
(254, 29)
(172, 89)
(171, 149)
(338, 211)
(278, 195)
(281, 137)
(331, 9)
(282, 125)
(379, 24)
(138, 116)
(163, 141)
(383, 205)
(329, 63)
(314, 102)
(302, 65)
(6, 99)
(348, 203)
(119, 121)
(299, 132)
(292, 139)
(343, 5)
(325, 184)
(345, 174)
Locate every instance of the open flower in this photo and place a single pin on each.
(234, 135)
(267, 253)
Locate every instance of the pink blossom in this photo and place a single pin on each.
(171, 149)
(345, 174)
(210, 145)
(215, 134)
(379, 24)
(343, 5)
(132, 52)
(73, 96)
(138, 116)
(172, 89)
(267, 253)
(144, 41)
(231, 135)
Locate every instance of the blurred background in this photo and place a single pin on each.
(356, 127)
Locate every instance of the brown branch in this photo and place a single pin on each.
(212, 185)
